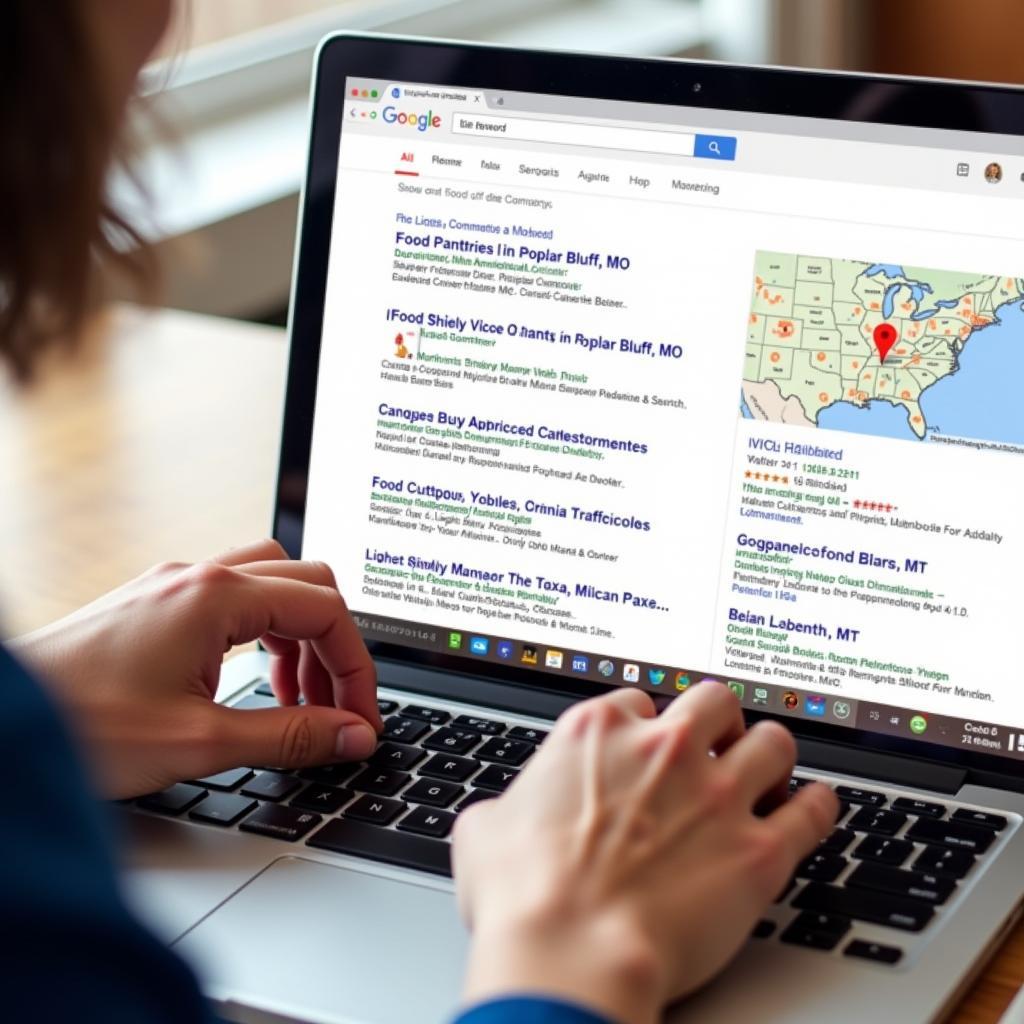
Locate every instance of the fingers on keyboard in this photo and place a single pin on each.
(893, 862)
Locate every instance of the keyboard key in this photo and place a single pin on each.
(331, 774)
(824, 867)
(225, 781)
(327, 799)
(763, 929)
(831, 924)
(453, 741)
(484, 725)
(435, 792)
(173, 800)
(271, 786)
(996, 822)
(508, 751)
(915, 884)
(871, 819)
(873, 951)
(280, 822)
(405, 730)
(519, 732)
(941, 860)
(376, 810)
(496, 777)
(431, 715)
(474, 797)
(865, 905)
(816, 931)
(343, 835)
(396, 755)
(222, 809)
(861, 796)
(797, 936)
(386, 707)
(450, 767)
(884, 850)
(798, 782)
(425, 821)
(380, 781)
(920, 807)
(837, 842)
(972, 838)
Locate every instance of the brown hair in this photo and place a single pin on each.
(60, 129)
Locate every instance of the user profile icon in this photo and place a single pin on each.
(994, 173)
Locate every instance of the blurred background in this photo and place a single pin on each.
(236, 72)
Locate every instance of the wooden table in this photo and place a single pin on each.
(158, 440)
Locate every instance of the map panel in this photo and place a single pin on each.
(812, 357)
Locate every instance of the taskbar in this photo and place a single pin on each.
(969, 735)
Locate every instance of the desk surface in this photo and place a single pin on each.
(158, 440)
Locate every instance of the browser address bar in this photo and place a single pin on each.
(567, 133)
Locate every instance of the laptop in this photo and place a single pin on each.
(610, 372)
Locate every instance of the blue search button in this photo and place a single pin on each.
(715, 147)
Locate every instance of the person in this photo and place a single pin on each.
(604, 898)
(994, 173)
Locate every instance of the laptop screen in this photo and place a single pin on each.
(641, 394)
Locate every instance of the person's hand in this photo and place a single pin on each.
(626, 865)
(136, 671)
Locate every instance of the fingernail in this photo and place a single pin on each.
(355, 742)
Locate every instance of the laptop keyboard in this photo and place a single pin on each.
(891, 861)
(399, 806)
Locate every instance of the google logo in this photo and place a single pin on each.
(421, 121)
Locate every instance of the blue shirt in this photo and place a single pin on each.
(72, 951)
(529, 1010)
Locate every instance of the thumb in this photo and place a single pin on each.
(294, 737)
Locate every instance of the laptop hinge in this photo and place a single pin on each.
(891, 768)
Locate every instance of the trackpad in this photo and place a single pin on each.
(314, 942)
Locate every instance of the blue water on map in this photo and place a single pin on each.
(889, 269)
(744, 409)
(940, 304)
(918, 289)
(881, 419)
(890, 295)
(982, 399)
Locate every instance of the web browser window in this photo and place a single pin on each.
(639, 395)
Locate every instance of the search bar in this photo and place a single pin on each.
(597, 136)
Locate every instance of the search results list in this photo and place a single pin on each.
(548, 412)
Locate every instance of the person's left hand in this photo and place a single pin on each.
(137, 670)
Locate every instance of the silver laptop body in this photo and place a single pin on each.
(289, 913)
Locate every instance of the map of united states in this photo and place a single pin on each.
(811, 357)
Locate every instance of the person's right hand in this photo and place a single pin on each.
(626, 865)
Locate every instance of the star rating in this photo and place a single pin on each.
(768, 478)
(874, 506)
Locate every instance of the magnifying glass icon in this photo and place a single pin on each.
(715, 147)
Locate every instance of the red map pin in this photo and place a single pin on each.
(885, 338)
